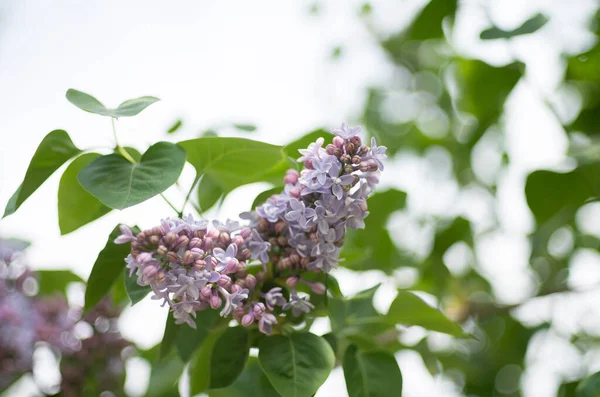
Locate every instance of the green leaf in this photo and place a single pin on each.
(200, 367)
(251, 383)
(164, 377)
(51, 281)
(55, 149)
(530, 26)
(229, 357)
(108, 267)
(371, 374)
(86, 102)
(135, 292)
(169, 337)
(228, 163)
(119, 184)
(484, 90)
(551, 194)
(264, 196)
(428, 24)
(355, 315)
(408, 309)
(76, 207)
(298, 364)
(209, 192)
(174, 127)
(133, 107)
(245, 127)
(90, 104)
(589, 387)
(188, 339)
(372, 247)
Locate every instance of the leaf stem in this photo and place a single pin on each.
(171, 205)
(187, 198)
(122, 151)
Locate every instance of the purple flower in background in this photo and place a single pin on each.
(314, 151)
(271, 209)
(224, 257)
(232, 300)
(378, 153)
(259, 247)
(274, 298)
(266, 322)
(346, 132)
(126, 235)
(298, 305)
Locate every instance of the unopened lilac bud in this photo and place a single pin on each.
(156, 231)
(170, 239)
(337, 152)
(162, 250)
(314, 237)
(154, 240)
(238, 313)
(246, 232)
(195, 243)
(149, 271)
(263, 225)
(280, 226)
(141, 237)
(200, 233)
(144, 257)
(330, 149)
(273, 241)
(363, 149)
(232, 265)
(260, 276)
(308, 164)
(282, 241)
(246, 253)
(241, 267)
(187, 257)
(356, 159)
(199, 264)
(224, 238)
(372, 165)
(295, 192)
(304, 262)
(350, 148)
(355, 140)
(206, 291)
(224, 281)
(208, 243)
(236, 288)
(318, 288)
(214, 234)
(258, 308)
(160, 277)
(338, 141)
(172, 257)
(364, 166)
(292, 281)
(294, 258)
(250, 281)
(238, 241)
(345, 158)
(215, 302)
(247, 320)
(348, 169)
(290, 179)
(182, 242)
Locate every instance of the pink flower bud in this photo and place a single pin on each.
(214, 234)
(162, 250)
(355, 140)
(238, 240)
(149, 272)
(290, 179)
(356, 159)
(172, 257)
(144, 257)
(206, 291)
(308, 164)
(215, 302)
(294, 258)
(156, 231)
(232, 265)
(246, 232)
(170, 239)
(224, 238)
(250, 281)
(338, 142)
(246, 254)
(160, 276)
(350, 148)
(330, 149)
(318, 288)
(295, 192)
(154, 240)
(292, 281)
(224, 281)
(200, 264)
(280, 226)
(364, 166)
(236, 288)
(182, 242)
(196, 242)
(258, 308)
(247, 320)
(187, 257)
(238, 313)
(208, 243)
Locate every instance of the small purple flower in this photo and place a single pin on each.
(274, 298)
(233, 300)
(314, 151)
(132, 265)
(296, 214)
(266, 322)
(378, 153)
(338, 185)
(259, 248)
(346, 132)
(271, 209)
(224, 257)
(298, 305)
(126, 235)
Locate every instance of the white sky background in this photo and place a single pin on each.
(266, 63)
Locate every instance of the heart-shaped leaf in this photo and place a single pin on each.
(371, 374)
(408, 309)
(298, 364)
(76, 207)
(90, 104)
(119, 184)
(55, 149)
(251, 383)
(108, 267)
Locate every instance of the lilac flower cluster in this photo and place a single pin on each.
(192, 265)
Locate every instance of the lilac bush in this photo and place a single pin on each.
(193, 265)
